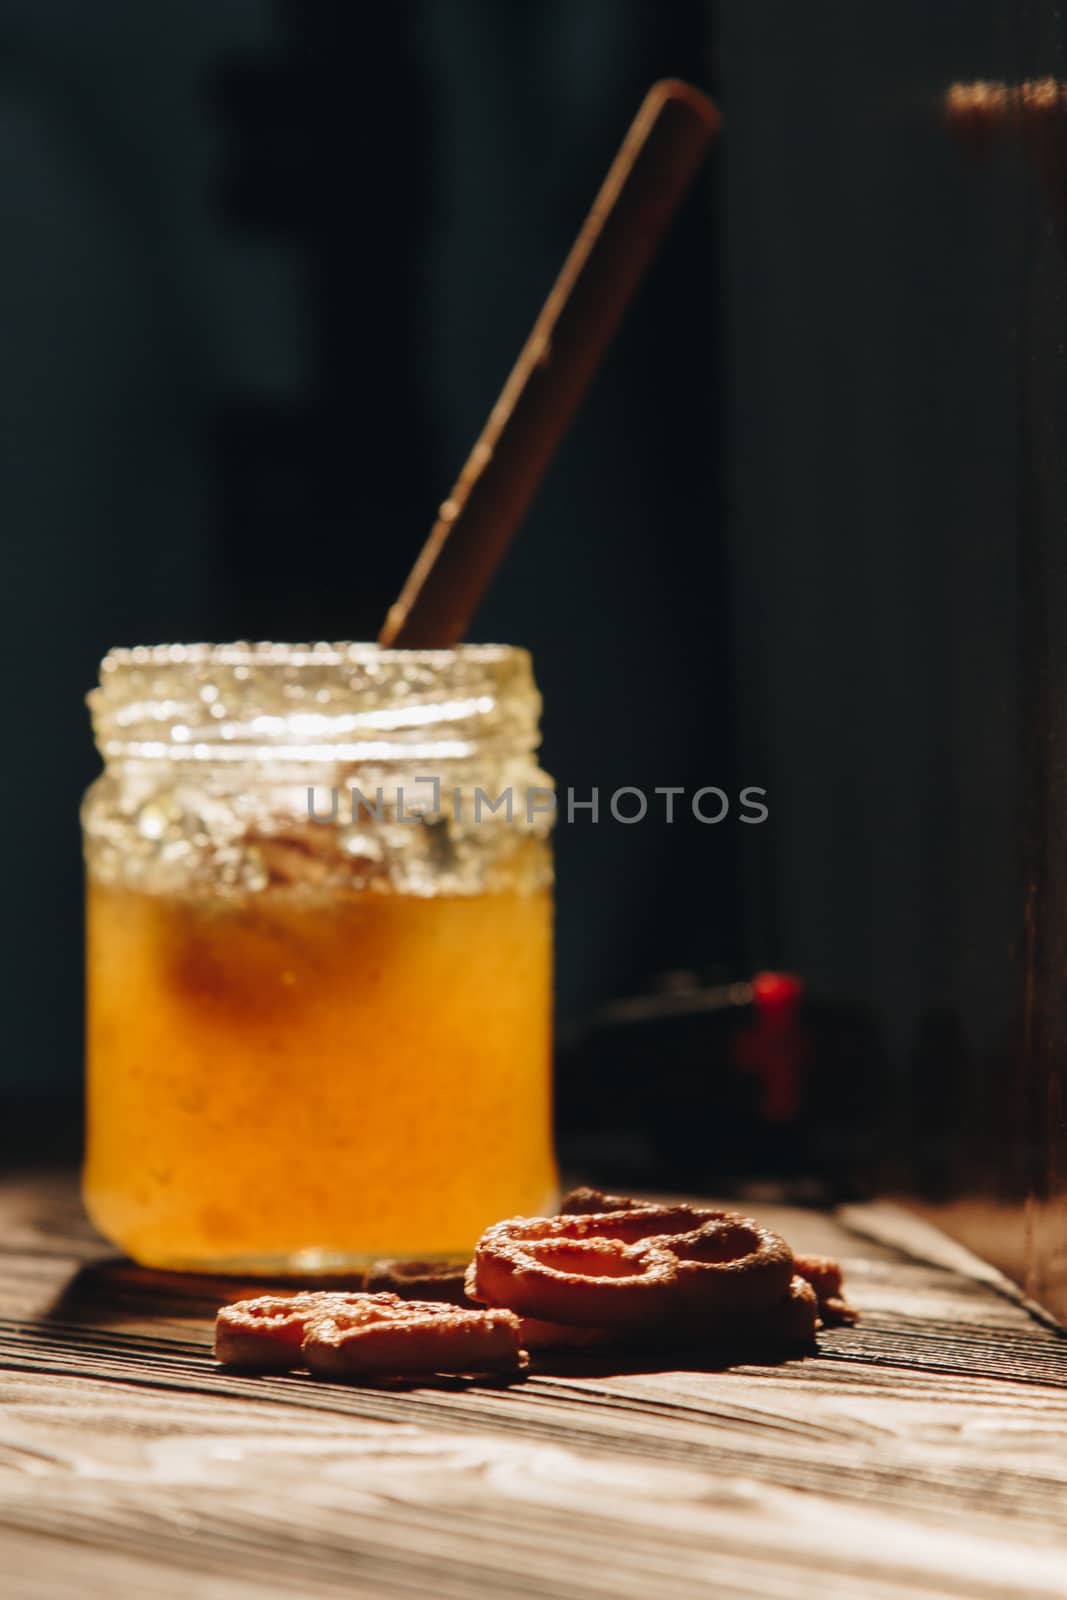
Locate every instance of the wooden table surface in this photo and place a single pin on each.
(923, 1453)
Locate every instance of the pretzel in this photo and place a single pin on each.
(421, 1280)
(351, 1335)
(409, 1338)
(628, 1269)
(265, 1334)
(824, 1275)
(822, 1272)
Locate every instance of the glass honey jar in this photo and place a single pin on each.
(319, 947)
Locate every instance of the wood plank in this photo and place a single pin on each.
(922, 1453)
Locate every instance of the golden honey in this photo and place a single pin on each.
(270, 1079)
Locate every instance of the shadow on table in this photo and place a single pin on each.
(114, 1292)
(634, 1362)
(115, 1288)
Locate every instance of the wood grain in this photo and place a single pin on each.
(923, 1453)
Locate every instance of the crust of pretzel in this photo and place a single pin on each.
(265, 1334)
(584, 1201)
(414, 1338)
(625, 1269)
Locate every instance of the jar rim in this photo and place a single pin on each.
(318, 703)
(265, 652)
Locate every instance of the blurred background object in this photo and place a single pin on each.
(897, 399)
(266, 267)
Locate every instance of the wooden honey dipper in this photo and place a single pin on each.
(646, 183)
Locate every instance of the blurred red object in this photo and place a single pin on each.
(776, 1046)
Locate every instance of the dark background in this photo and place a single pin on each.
(267, 264)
